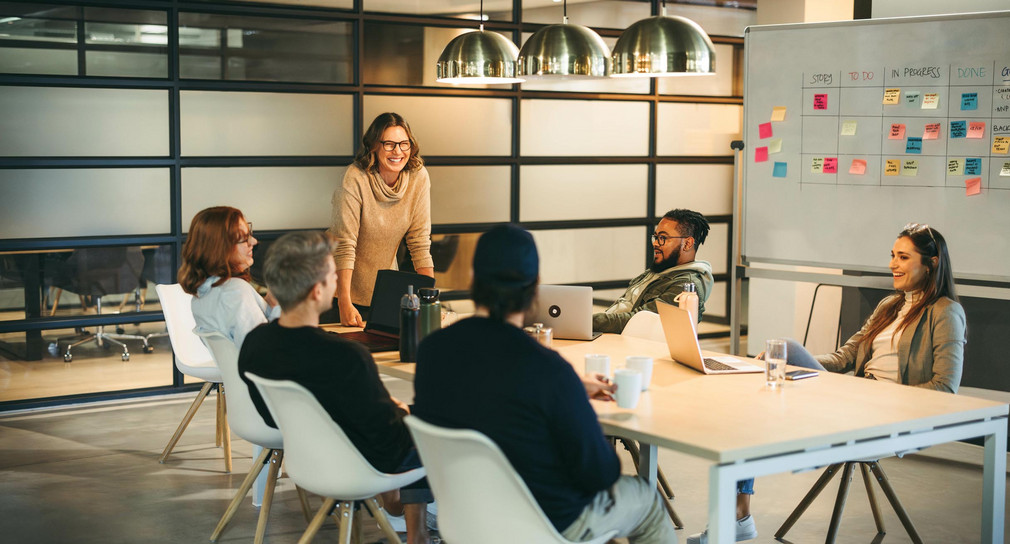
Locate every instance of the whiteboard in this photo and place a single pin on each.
(904, 98)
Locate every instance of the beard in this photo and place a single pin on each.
(666, 263)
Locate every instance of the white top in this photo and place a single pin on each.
(233, 308)
(883, 363)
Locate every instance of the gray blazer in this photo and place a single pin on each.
(930, 351)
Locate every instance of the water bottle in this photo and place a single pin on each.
(410, 308)
(688, 300)
(431, 311)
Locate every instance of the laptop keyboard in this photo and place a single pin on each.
(712, 364)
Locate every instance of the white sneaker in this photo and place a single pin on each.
(399, 523)
(746, 529)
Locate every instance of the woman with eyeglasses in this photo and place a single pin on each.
(384, 197)
(215, 270)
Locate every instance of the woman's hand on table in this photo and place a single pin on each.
(598, 387)
(349, 315)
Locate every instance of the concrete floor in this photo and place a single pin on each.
(91, 474)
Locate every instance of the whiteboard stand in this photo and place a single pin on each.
(735, 279)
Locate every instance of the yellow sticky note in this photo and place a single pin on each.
(910, 168)
(892, 167)
(930, 101)
(779, 113)
(858, 167)
(775, 145)
(849, 128)
(891, 96)
(955, 167)
(1005, 171)
(817, 165)
(1001, 144)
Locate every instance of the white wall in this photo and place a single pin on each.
(902, 8)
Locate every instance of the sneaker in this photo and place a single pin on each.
(746, 529)
(399, 523)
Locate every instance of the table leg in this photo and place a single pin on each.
(721, 506)
(994, 484)
(648, 464)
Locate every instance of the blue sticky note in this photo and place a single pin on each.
(914, 145)
(969, 101)
(780, 170)
(973, 166)
(958, 129)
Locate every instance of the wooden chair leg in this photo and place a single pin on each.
(346, 522)
(204, 391)
(892, 497)
(219, 424)
(303, 498)
(243, 489)
(268, 495)
(663, 487)
(878, 519)
(317, 521)
(807, 500)
(843, 493)
(382, 520)
(225, 428)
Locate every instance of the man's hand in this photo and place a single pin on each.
(400, 404)
(598, 387)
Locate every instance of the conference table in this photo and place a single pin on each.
(746, 429)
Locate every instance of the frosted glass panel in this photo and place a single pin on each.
(83, 122)
(697, 129)
(63, 203)
(575, 191)
(18, 60)
(276, 198)
(584, 128)
(495, 10)
(719, 21)
(236, 123)
(470, 194)
(715, 248)
(716, 304)
(718, 84)
(602, 14)
(450, 126)
(583, 255)
(339, 4)
(704, 188)
(637, 85)
(123, 64)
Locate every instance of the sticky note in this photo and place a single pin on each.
(972, 186)
(1005, 171)
(973, 166)
(830, 165)
(820, 101)
(1000, 145)
(955, 167)
(910, 168)
(780, 170)
(958, 129)
(765, 130)
(849, 128)
(897, 132)
(930, 101)
(779, 114)
(969, 101)
(817, 165)
(913, 145)
(775, 145)
(760, 154)
(931, 132)
(858, 167)
(912, 98)
(976, 129)
(892, 167)
(891, 96)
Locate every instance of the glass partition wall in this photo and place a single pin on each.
(120, 123)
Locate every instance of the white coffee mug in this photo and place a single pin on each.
(597, 363)
(642, 364)
(629, 387)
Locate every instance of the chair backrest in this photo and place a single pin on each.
(318, 455)
(243, 417)
(645, 324)
(191, 356)
(480, 496)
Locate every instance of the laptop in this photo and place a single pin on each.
(682, 340)
(382, 330)
(565, 308)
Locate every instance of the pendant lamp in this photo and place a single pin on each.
(478, 57)
(663, 46)
(564, 51)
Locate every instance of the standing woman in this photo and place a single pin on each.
(215, 270)
(384, 197)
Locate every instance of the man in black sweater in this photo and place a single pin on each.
(484, 373)
(341, 374)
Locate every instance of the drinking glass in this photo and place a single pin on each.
(775, 362)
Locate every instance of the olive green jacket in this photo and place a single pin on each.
(666, 286)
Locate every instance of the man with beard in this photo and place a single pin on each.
(675, 244)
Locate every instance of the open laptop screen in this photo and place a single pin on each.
(390, 286)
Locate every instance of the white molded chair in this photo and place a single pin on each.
(645, 324)
(246, 421)
(192, 359)
(481, 499)
(321, 459)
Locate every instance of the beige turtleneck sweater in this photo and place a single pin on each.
(369, 220)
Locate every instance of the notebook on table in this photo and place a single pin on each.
(565, 308)
(682, 341)
(382, 330)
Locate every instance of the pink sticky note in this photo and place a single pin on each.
(765, 130)
(972, 186)
(820, 101)
(976, 129)
(760, 154)
(830, 165)
(932, 131)
(897, 132)
(858, 167)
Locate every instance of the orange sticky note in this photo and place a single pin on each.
(972, 186)
(897, 132)
(760, 154)
(931, 132)
(892, 167)
(976, 129)
(891, 96)
(858, 167)
(1000, 145)
(765, 130)
(779, 113)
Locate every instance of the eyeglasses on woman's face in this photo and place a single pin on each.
(389, 145)
(246, 236)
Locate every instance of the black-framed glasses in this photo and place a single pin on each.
(660, 239)
(389, 145)
(247, 236)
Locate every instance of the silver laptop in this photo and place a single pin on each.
(682, 340)
(565, 308)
